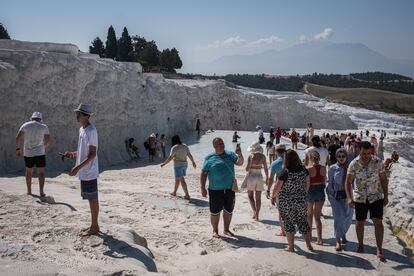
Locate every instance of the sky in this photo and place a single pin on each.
(205, 30)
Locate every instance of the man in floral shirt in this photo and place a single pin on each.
(370, 193)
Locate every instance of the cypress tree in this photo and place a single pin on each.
(178, 63)
(125, 46)
(111, 49)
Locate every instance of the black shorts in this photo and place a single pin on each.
(221, 199)
(376, 210)
(151, 151)
(38, 161)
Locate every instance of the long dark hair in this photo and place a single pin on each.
(292, 160)
(175, 140)
(316, 141)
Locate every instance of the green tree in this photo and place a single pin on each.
(149, 56)
(125, 46)
(167, 59)
(178, 63)
(111, 49)
(3, 32)
(97, 47)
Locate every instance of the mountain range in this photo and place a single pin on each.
(306, 58)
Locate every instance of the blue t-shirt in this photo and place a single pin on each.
(276, 166)
(220, 169)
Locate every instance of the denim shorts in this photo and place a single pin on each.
(89, 189)
(316, 193)
(180, 171)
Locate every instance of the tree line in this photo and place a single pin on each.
(374, 80)
(136, 49)
(3, 32)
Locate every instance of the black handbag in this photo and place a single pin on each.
(340, 195)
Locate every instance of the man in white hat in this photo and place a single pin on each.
(36, 138)
(86, 167)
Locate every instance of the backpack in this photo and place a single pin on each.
(146, 145)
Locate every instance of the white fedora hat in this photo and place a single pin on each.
(36, 115)
(84, 108)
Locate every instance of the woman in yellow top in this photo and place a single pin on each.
(179, 153)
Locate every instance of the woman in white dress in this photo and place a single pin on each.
(254, 181)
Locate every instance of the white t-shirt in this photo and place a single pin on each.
(323, 153)
(34, 134)
(87, 137)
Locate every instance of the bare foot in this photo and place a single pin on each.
(42, 195)
(187, 197)
(228, 233)
(29, 192)
(173, 194)
(380, 257)
(90, 232)
(319, 242)
(360, 249)
(310, 248)
(281, 234)
(215, 235)
(289, 249)
(338, 247)
(84, 229)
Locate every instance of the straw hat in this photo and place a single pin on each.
(255, 148)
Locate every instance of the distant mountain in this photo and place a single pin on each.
(306, 58)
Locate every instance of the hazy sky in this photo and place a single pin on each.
(204, 30)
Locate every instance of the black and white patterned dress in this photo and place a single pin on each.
(292, 202)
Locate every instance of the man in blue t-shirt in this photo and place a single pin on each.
(218, 167)
(275, 169)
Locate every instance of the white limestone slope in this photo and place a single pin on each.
(55, 78)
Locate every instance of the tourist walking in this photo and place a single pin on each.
(254, 181)
(278, 135)
(152, 147)
(272, 135)
(294, 138)
(275, 169)
(36, 139)
(316, 194)
(235, 137)
(163, 144)
(218, 167)
(291, 188)
(370, 194)
(179, 153)
(332, 151)
(86, 167)
(342, 213)
(317, 146)
(270, 151)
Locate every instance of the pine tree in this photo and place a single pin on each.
(111, 49)
(178, 63)
(3, 32)
(97, 47)
(125, 46)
